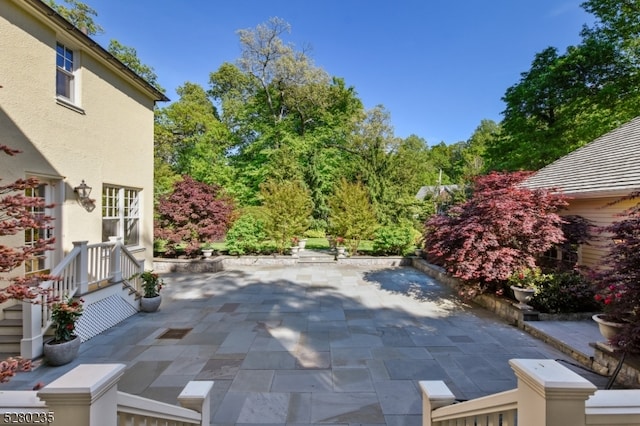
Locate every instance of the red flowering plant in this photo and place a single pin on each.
(151, 283)
(64, 315)
(617, 281)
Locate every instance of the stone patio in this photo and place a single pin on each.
(310, 344)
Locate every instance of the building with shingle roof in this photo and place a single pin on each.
(594, 176)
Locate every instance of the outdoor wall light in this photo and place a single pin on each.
(82, 194)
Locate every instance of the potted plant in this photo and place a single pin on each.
(340, 246)
(523, 284)
(151, 286)
(207, 249)
(302, 243)
(64, 346)
(295, 248)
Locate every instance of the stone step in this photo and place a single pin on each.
(13, 312)
(316, 260)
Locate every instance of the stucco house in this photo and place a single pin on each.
(594, 176)
(81, 119)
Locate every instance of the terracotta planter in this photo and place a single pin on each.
(150, 304)
(61, 353)
(608, 329)
(523, 296)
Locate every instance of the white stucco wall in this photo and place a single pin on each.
(107, 140)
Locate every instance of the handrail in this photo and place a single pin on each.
(503, 403)
(138, 409)
(84, 266)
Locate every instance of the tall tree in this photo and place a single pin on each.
(129, 56)
(566, 100)
(191, 140)
(79, 14)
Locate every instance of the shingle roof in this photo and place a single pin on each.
(610, 165)
(435, 190)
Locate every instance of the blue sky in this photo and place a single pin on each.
(438, 66)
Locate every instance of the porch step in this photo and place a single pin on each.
(14, 312)
(9, 346)
(10, 327)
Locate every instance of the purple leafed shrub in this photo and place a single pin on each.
(192, 214)
(617, 281)
(500, 230)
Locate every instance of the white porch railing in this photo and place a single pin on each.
(88, 395)
(86, 265)
(548, 394)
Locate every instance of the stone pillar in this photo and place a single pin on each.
(86, 395)
(435, 394)
(549, 394)
(196, 396)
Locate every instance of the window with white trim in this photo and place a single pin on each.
(65, 72)
(121, 214)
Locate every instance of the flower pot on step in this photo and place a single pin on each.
(608, 329)
(150, 304)
(523, 295)
(61, 353)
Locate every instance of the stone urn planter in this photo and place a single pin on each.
(150, 304)
(341, 252)
(61, 353)
(523, 295)
(302, 244)
(207, 252)
(294, 251)
(608, 329)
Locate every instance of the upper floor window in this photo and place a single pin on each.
(121, 214)
(65, 68)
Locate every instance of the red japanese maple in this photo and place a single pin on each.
(192, 214)
(498, 231)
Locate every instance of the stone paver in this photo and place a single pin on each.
(305, 344)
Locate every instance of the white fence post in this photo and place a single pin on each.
(116, 259)
(86, 395)
(435, 394)
(549, 394)
(196, 396)
(82, 267)
(32, 340)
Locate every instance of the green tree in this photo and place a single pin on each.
(287, 118)
(566, 100)
(352, 215)
(191, 140)
(287, 208)
(79, 14)
(129, 57)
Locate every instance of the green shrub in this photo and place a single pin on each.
(315, 233)
(394, 239)
(564, 292)
(246, 236)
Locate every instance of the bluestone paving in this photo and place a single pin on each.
(311, 344)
